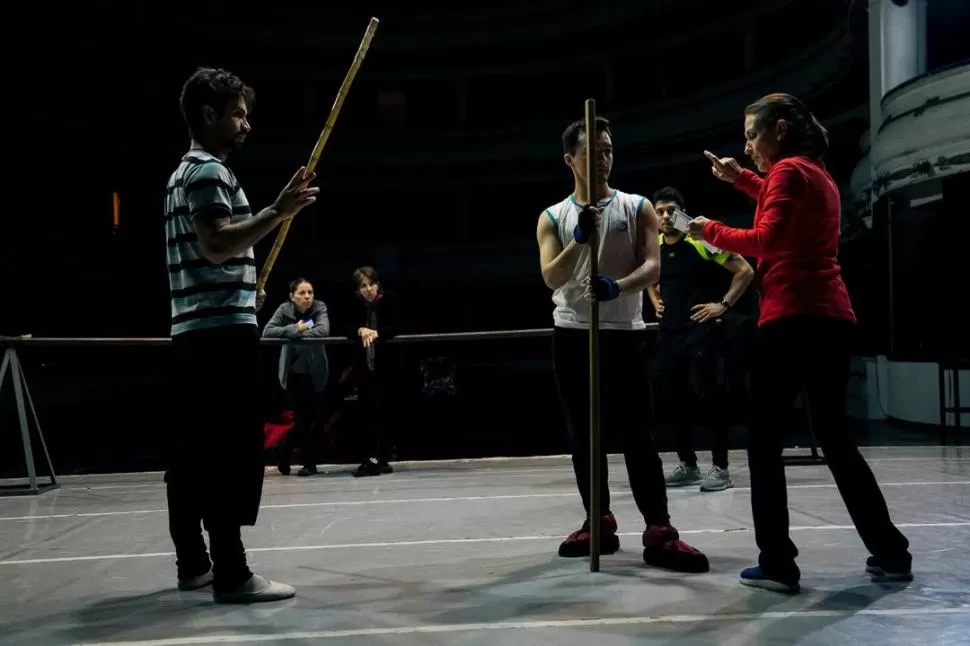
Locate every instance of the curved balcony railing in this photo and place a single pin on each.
(924, 134)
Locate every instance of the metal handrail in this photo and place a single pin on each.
(27, 340)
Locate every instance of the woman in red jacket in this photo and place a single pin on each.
(805, 334)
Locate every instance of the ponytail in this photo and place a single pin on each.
(821, 133)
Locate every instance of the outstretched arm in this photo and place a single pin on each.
(781, 192)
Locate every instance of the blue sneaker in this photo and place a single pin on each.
(755, 578)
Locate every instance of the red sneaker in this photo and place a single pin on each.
(577, 544)
(663, 548)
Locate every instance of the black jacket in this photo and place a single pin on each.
(387, 309)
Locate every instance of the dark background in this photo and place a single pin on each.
(443, 156)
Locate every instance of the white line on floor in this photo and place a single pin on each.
(335, 503)
(448, 541)
(281, 484)
(272, 636)
(400, 501)
(474, 467)
(333, 475)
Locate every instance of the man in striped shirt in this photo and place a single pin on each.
(215, 475)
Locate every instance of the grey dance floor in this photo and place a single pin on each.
(465, 553)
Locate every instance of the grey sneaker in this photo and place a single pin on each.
(257, 588)
(717, 479)
(683, 475)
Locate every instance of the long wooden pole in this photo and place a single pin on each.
(318, 148)
(595, 512)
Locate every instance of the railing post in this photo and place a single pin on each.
(22, 399)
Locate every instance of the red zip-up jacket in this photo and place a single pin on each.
(795, 238)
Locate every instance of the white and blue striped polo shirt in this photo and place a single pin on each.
(204, 294)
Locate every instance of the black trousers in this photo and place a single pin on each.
(215, 474)
(372, 392)
(307, 405)
(738, 349)
(689, 360)
(624, 383)
(813, 353)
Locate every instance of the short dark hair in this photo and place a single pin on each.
(669, 194)
(214, 87)
(296, 282)
(365, 272)
(570, 136)
(806, 136)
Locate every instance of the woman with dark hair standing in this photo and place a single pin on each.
(374, 322)
(805, 335)
(304, 370)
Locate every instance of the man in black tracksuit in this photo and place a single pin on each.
(691, 341)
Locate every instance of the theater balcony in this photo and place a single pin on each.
(924, 135)
(912, 188)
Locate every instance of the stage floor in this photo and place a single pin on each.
(465, 553)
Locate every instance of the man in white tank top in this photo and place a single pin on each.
(629, 261)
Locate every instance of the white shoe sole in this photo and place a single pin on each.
(689, 483)
(257, 590)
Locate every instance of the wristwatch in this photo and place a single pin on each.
(725, 303)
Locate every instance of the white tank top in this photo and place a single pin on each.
(618, 257)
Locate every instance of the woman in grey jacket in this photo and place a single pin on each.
(304, 370)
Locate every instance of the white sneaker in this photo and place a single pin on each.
(256, 589)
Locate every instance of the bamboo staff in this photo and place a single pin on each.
(321, 142)
(595, 513)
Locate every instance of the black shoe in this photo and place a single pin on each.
(372, 467)
(899, 569)
(282, 460)
(308, 470)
